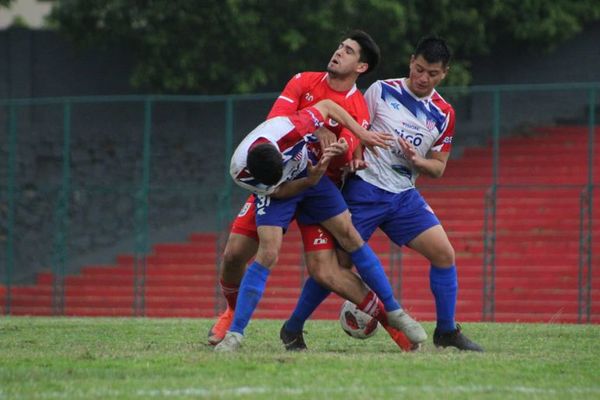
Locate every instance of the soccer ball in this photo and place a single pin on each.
(356, 323)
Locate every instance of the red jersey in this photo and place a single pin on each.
(308, 88)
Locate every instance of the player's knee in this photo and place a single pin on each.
(323, 277)
(349, 239)
(233, 258)
(267, 256)
(344, 260)
(238, 251)
(445, 257)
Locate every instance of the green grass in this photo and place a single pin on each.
(105, 358)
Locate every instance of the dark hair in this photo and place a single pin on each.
(369, 51)
(265, 163)
(434, 49)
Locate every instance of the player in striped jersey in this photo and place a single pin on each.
(273, 157)
(356, 54)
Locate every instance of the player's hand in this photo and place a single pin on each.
(326, 137)
(371, 139)
(409, 151)
(356, 165)
(336, 148)
(315, 172)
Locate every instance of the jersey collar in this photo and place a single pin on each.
(350, 91)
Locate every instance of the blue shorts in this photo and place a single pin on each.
(401, 216)
(316, 204)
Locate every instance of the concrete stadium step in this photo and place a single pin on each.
(545, 317)
(197, 282)
(185, 248)
(199, 238)
(36, 311)
(485, 181)
(552, 162)
(181, 313)
(38, 290)
(538, 306)
(167, 259)
(126, 311)
(517, 271)
(511, 150)
(31, 301)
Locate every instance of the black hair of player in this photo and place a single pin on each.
(434, 49)
(265, 163)
(369, 50)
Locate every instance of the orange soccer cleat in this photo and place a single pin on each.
(401, 340)
(217, 332)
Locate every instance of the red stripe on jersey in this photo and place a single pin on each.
(445, 139)
(305, 122)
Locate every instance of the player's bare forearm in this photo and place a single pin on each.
(431, 167)
(330, 109)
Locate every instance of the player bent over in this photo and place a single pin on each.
(272, 160)
(356, 55)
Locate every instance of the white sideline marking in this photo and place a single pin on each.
(303, 391)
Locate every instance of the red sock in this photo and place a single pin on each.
(230, 291)
(374, 307)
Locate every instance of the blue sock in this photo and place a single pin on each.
(251, 290)
(371, 271)
(444, 286)
(312, 295)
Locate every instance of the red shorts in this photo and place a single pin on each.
(314, 237)
(245, 222)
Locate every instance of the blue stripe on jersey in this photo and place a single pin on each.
(417, 108)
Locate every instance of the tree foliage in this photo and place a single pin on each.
(237, 46)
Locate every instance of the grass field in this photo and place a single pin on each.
(105, 358)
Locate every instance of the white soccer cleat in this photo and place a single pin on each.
(230, 343)
(399, 319)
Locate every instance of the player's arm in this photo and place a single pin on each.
(314, 173)
(330, 109)
(357, 162)
(433, 166)
(354, 160)
(325, 136)
(297, 186)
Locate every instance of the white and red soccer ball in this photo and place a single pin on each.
(356, 323)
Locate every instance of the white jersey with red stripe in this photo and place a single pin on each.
(427, 123)
(290, 135)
